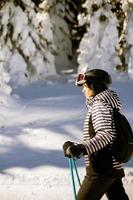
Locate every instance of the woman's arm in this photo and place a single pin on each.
(103, 126)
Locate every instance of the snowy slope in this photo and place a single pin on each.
(33, 129)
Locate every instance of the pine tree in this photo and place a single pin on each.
(129, 38)
(36, 38)
(106, 42)
(5, 89)
(61, 32)
(73, 10)
(26, 41)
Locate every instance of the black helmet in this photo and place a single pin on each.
(94, 76)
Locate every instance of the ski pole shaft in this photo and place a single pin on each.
(72, 177)
(76, 171)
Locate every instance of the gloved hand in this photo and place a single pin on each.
(66, 147)
(72, 149)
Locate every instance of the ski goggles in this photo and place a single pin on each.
(80, 79)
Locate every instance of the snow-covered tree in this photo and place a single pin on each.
(106, 43)
(36, 37)
(26, 41)
(61, 32)
(5, 89)
(129, 39)
(73, 10)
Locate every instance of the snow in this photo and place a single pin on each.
(5, 89)
(26, 41)
(33, 129)
(100, 45)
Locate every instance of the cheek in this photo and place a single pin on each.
(87, 93)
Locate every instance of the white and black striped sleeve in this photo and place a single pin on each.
(102, 123)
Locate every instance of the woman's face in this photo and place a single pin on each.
(87, 91)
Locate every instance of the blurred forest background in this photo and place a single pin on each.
(43, 40)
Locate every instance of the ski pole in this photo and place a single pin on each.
(72, 178)
(72, 165)
(76, 171)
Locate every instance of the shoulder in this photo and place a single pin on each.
(99, 104)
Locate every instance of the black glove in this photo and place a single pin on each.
(66, 147)
(73, 150)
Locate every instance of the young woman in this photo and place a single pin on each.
(103, 172)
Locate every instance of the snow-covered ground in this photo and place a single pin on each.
(33, 129)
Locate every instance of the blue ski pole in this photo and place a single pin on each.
(72, 166)
(76, 171)
(72, 177)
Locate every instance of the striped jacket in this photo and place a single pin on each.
(100, 108)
